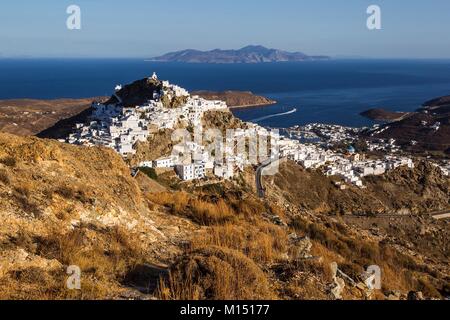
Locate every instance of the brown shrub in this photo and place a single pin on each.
(207, 214)
(163, 198)
(9, 161)
(177, 201)
(39, 284)
(428, 288)
(332, 238)
(27, 205)
(216, 274)
(276, 211)
(71, 193)
(263, 243)
(278, 235)
(4, 177)
(248, 207)
(23, 190)
(65, 192)
(32, 283)
(104, 261)
(446, 289)
(75, 248)
(202, 212)
(180, 202)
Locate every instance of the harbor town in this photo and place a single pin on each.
(120, 127)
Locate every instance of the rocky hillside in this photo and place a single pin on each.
(422, 190)
(137, 93)
(427, 130)
(437, 102)
(65, 205)
(160, 144)
(62, 205)
(29, 117)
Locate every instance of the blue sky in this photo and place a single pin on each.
(145, 28)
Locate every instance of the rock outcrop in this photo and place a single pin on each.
(64, 205)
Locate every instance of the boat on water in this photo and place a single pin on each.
(294, 110)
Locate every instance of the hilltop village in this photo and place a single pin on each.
(132, 116)
(138, 203)
(120, 127)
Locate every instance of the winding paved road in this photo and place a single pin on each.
(259, 187)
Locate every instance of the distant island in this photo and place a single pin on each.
(249, 54)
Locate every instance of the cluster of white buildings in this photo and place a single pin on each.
(435, 126)
(120, 132)
(192, 160)
(335, 134)
(444, 167)
(383, 145)
(332, 133)
(120, 128)
(351, 167)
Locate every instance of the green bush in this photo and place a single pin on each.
(149, 172)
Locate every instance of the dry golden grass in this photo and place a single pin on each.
(202, 212)
(399, 270)
(104, 262)
(215, 273)
(248, 207)
(223, 261)
(178, 201)
(261, 246)
(206, 213)
(238, 224)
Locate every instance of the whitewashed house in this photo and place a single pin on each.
(192, 171)
(166, 162)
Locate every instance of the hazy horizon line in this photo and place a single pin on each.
(146, 58)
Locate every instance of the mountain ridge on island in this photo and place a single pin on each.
(248, 54)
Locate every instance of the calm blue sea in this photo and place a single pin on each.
(326, 91)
